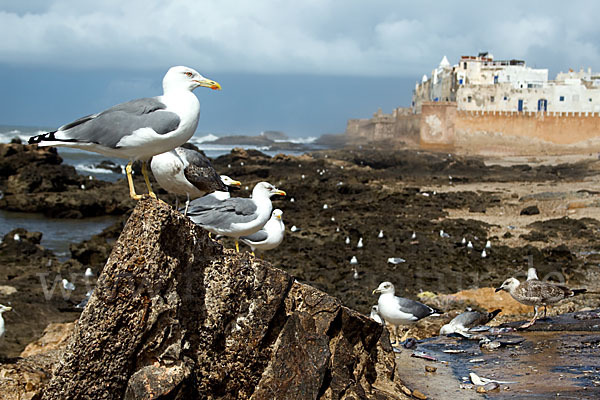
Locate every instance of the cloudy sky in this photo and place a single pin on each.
(302, 67)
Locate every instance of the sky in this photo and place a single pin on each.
(302, 67)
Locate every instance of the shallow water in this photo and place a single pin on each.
(58, 233)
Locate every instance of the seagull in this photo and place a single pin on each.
(237, 217)
(359, 245)
(138, 129)
(414, 235)
(88, 273)
(375, 315)
(217, 196)
(68, 285)
(399, 310)
(380, 235)
(532, 274)
(270, 236)
(469, 245)
(3, 309)
(469, 319)
(325, 206)
(537, 293)
(294, 228)
(353, 260)
(488, 244)
(463, 241)
(347, 241)
(483, 253)
(186, 172)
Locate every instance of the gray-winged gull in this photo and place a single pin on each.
(537, 293)
(269, 236)
(3, 309)
(399, 310)
(138, 129)
(236, 216)
(466, 320)
(186, 172)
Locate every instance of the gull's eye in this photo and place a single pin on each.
(189, 74)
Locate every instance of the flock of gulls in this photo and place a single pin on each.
(156, 128)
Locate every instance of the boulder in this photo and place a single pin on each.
(174, 315)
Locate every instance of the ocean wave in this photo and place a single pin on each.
(90, 169)
(7, 136)
(302, 140)
(202, 139)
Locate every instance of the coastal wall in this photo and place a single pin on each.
(400, 126)
(443, 125)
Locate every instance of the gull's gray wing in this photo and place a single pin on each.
(109, 127)
(200, 172)
(415, 308)
(256, 237)
(227, 212)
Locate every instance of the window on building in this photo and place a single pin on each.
(491, 99)
(495, 78)
(469, 99)
(561, 98)
(590, 99)
(505, 98)
(465, 65)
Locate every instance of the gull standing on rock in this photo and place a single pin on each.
(270, 236)
(399, 310)
(138, 129)
(186, 172)
(3, 309)
(537, 293)
(236, 216)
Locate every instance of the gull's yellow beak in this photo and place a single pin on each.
(280, 192)
(7, 308)
(278, 216)
(209, 84)
(235, 183)
(375, 291)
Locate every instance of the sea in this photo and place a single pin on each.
(58, 233)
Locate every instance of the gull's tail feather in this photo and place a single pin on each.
(578, 291)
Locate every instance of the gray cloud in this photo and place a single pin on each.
(329, 37)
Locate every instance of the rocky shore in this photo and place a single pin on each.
(353, 193)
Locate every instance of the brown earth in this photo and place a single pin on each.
(366, 190)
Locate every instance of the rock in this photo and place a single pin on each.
(110, 166)
(55, 337)
(530, 210)
(174, 315)
(19, 244)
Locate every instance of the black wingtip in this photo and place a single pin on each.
(40, 138)
(493, 314)
(578, 291)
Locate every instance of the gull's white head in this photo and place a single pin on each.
(385, 287)
(230, 182)
(265, 189)
(509, 285)
(184, 78)
(277, 213)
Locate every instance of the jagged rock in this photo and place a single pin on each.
(54, 337)
(175, 315)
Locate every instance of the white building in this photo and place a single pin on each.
(479, 83)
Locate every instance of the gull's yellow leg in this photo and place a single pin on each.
(130, 180)
(237, 247)
(145, 173)
(252, 252)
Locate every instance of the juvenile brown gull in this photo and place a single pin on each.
(537, 293)
(138, 129)
(236, 216)
(399, 310)
(269, 236)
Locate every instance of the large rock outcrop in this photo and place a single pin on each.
(176, 316)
